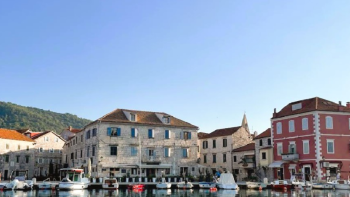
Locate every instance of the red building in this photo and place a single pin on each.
(311, 136)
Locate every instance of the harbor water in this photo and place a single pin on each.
(176, 192)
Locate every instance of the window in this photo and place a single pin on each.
(81, 153)
(94, 132)
(279, 149)
(19, 147)
(224, 142)
(166, 119)
(279, 127)
(296, 106)
(40, 160)
(224, 157)
(204, 158)
(184, 152)
(27, 148)
(27, 159)
(93, 151)
(269, 141)
(132, 117)
(151, 152)
(260, 142)
(263, 155)
(17, 158)
(88, 151)
(306, 147)
(166, 152)
(291, 126)
(133, 132)
(305, 123)
(205, 144)
(330, 146)
(113, 150)
(292, 148)
(113, 131)
(234, 158)
(214, 143)
(41, 150)
(88, 134)
(7, 146)
(51, 150)
(150, 133)
(46, 138)
(76, 154)
(214, 158)
(329, 122)
(56, 140)
(81, 138)
(167, 134)
(186, 135)
(133, 151)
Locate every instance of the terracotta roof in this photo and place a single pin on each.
(267, 147)
(73, 130)
(266, 133)
(221, 132)
(13, 135)
(201, 135)
(311, 104)
(247, 147)
(143, 117)
(32, 134)
(39, 135)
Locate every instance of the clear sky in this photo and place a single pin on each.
(205, 62)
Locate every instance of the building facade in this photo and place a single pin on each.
(17, 153)
(216, 147)
(311, 136)
(264, 155)
(125, 141)
(243, 163)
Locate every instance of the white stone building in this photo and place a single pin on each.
(124, 141)
(264, 155)
(216, 147)
(16, 153)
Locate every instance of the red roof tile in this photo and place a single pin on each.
(143, 117)
(312, 104)
(13, 135)
(221, 132)
(247, 147)
(201, 135)
(266, 133)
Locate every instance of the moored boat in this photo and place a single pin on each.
(73, 179)
(207, 185)
(110, 183)
(45, 184)
(163, 184)
(322, 186)
(184, 185)
(281, 185)
(256, 185)
(227, 181)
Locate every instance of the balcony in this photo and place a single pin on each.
(151, 159)
(290, 156)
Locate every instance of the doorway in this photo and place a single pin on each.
(307, 172)
(6, 173)
(280, 174)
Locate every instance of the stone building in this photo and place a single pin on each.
(124, 141)
(216, 147)
(17, 152)
(69, 132)
(264, 155)
(243, 162)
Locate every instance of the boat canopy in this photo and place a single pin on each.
(226, 178)
(276, 164)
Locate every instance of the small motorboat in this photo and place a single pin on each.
(18, 182)
(227, 181)
(73, 179)
(207, 185)
(256, 185)
(184, 185)
(322, 186)
(342, 184)
(110, 183)
(281, 185)
(136, 187)
(163, 184)
(45, 184)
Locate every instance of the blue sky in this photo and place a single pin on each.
(205, 62)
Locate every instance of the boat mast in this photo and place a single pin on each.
(140, 154)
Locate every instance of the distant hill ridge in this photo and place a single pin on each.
(14, 116)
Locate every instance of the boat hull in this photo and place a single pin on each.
(110, 186)
(322, 186)
(163, 185)
(44, 186)
(183, 185)
(256, 185)
(228, 186)
(72, 186)
(281, 187)
(342, 186)
(206, 185)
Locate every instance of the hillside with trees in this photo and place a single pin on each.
(14, 116)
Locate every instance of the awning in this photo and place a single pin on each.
(276, 164)
(292, 166)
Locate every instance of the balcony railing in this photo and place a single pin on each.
(290, 156)
(151, 159)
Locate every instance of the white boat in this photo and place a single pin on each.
(163, 184)
(256, 185)
(322, 186)
(184, 185)
(110, 183)
(306, 185)
(227, 181)
(18, 182)
(73, 179)
(45, 184)
(206, 185)
(342, 184)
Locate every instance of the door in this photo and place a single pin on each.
(280, 174)
(307, 171)
(6, 173)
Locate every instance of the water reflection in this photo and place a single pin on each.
(177, 193)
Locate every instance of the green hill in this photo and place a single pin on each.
(14, 116)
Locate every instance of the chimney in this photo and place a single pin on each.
(70, 128)
(340, 103)
(274, 113)
(348, 104)
(340, 107)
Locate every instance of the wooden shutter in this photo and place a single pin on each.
(118, 131)
(109, 131)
